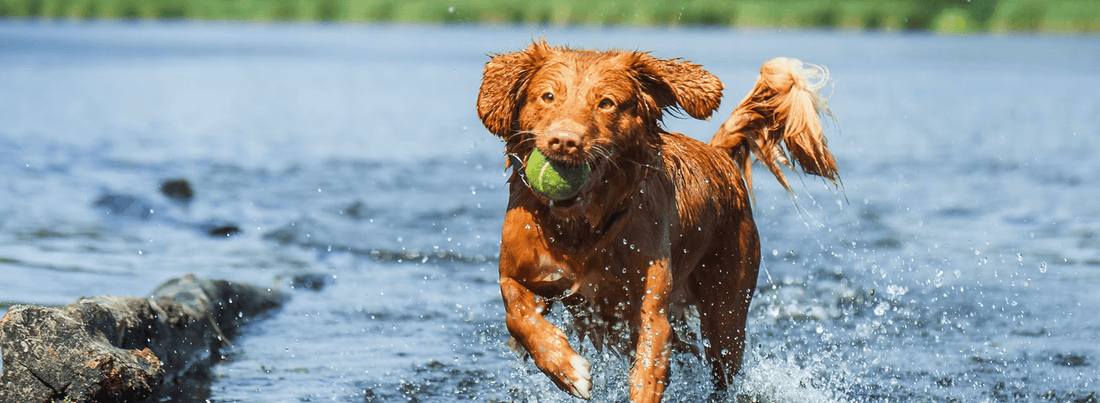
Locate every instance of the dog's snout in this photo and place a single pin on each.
(564, 142)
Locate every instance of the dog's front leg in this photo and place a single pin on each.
(649, 373)
(547, 344)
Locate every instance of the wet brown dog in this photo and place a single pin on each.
(664, 224)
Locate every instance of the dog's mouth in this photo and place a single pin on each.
(560, 182)
(567, 203)
(570, 162)
(573, 163)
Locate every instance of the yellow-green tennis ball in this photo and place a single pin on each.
(553, 180)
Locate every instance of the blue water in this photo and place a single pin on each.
(961, 261)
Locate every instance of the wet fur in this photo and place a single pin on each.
(663, 226)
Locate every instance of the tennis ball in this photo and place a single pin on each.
(554, 180)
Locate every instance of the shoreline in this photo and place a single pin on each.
(1055, 17)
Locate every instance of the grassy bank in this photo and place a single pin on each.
(955, 16)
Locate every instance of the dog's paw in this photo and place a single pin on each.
(568, 370)
(580, 384)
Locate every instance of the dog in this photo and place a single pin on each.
(663, 227)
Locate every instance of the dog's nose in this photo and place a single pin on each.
(564, 142)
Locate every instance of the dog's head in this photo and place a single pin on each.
(582, 106)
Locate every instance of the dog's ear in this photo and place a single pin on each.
(503, 85)
(673, 82)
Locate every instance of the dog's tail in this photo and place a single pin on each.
(779, 121)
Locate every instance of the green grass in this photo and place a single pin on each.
(947, 16)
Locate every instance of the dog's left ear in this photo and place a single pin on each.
(674, 82)
(503, 85)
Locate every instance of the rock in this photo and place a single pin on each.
(121, 205)
(124, 205)
(357, 210)
(309, 281)
(219, 229)
(125, 349)
(179, 190)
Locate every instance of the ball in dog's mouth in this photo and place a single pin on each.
(555, 180)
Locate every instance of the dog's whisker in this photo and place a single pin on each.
(532, 134)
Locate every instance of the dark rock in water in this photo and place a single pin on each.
(1070, 360)
(123, 205)
(219, 229)
(133, 207)
(298, 232)
(178, 190)
(888, 243)
(107, 349)
(282, 235)
(357, 210)
(310, 281)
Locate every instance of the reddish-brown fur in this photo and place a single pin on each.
(663, 224)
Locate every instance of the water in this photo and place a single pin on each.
(960, 262)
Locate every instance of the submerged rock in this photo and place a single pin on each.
(125, 205)
(357, 210)
(218, 229)
(122, 205)
(107, 349)
(179, 190)
(309, 281)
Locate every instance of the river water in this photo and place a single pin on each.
(961, 261)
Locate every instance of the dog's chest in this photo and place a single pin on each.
(590, 275)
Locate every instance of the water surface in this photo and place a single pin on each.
(959, 263)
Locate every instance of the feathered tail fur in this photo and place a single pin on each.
(779, 121)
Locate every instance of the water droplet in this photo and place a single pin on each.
(881, 308)
(1042, 267)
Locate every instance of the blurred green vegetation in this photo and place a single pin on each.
(948, 16)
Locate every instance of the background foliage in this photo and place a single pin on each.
(952, 16)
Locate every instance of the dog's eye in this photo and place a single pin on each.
(607, 104)
(548, 97)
